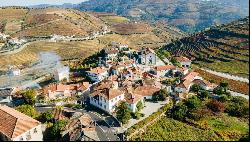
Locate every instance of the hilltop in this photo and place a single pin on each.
(187, 15)
(25, 22)
(223, 48)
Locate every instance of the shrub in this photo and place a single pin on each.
(195, 88)
(193, 102)
(160, 95)
(238, 107)
(139, 106)
(179, 112)
(46, 116)
(29, 97)
(28, 110)
(216, 106)
(123, 113)
(200, 113)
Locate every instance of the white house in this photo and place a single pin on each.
(107, 96)
(184, 61)
(187, 82)
(62, 73)
(97, 74)
(12, 71)
(16, 126)
(147, 56)
(6, 96)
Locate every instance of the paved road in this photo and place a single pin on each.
(239, 94)
(228, 76)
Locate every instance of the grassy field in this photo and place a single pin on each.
(168, 129)
(67, 50)
(112, 20)
(214, 128)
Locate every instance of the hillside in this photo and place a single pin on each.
(224, 48)
(24, 22)
(187, 15)
(48, 21)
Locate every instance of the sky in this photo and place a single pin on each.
(36, 2)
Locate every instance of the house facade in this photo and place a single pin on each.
(97, 74)
(147, 56)
(16, 126)
(184, 61)
(6, 96)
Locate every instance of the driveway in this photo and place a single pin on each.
(148, 110)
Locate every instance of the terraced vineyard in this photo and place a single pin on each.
(223, 48)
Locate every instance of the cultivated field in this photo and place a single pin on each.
(131, 28)
(67, 50)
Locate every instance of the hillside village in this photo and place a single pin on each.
(119, 93)
(122, 75)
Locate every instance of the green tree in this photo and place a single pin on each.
(57, 128)
(123, 113)
(160, 95)
(139, 106)
(224, 85)
(28, 110)
(193, 102)
(218, 91)
(238, 106)
(175, 62)
(29, 97)
(46, 116)
(195, 88)
(204, 94)
(179, 112)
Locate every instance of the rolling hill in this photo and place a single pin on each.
(187, 15)
(223, 48)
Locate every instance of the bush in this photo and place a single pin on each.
(29, 97)
(216, 106)
(200, 113)
(28, 110)
(238, 107)
(193, 102)
(160, 95)
(123, 113)
(139, 106)
(46, 116)
(195, 88)
(179, 112)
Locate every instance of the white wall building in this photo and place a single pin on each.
(97, 74)
(16, 126)
(147, 56)
(184, 61)
(62, 73)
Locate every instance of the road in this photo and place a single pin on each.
(228, 76)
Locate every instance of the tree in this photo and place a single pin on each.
(224, 85)
(160, 95)
(28, 110)
(123, 113)
(57, 128)
(193, 102)
(216, 106)
(238, 107)
(46, 116)
(29, 97)
(179, 112)
(218, 91)
(204, 94)
(195, 88)
(175, 62)
(139, 106)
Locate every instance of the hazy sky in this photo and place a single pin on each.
(35, 2)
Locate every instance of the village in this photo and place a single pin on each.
(124, 80)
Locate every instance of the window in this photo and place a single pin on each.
(35, 130)
(21, 139)
(105, 106)
(119, 96)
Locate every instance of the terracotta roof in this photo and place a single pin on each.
(190, 76)
(112, 51)
(98, 70)
(108, 93)
(132, 98)
(14, 123)
(166, 67)
(182, 59)
(86, 120)
(146, 90)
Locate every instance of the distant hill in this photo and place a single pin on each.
(223, 48)
(25, 22)
(187, 15)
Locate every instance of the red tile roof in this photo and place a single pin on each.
(182, 59)
(166, 67)
(14, 123)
